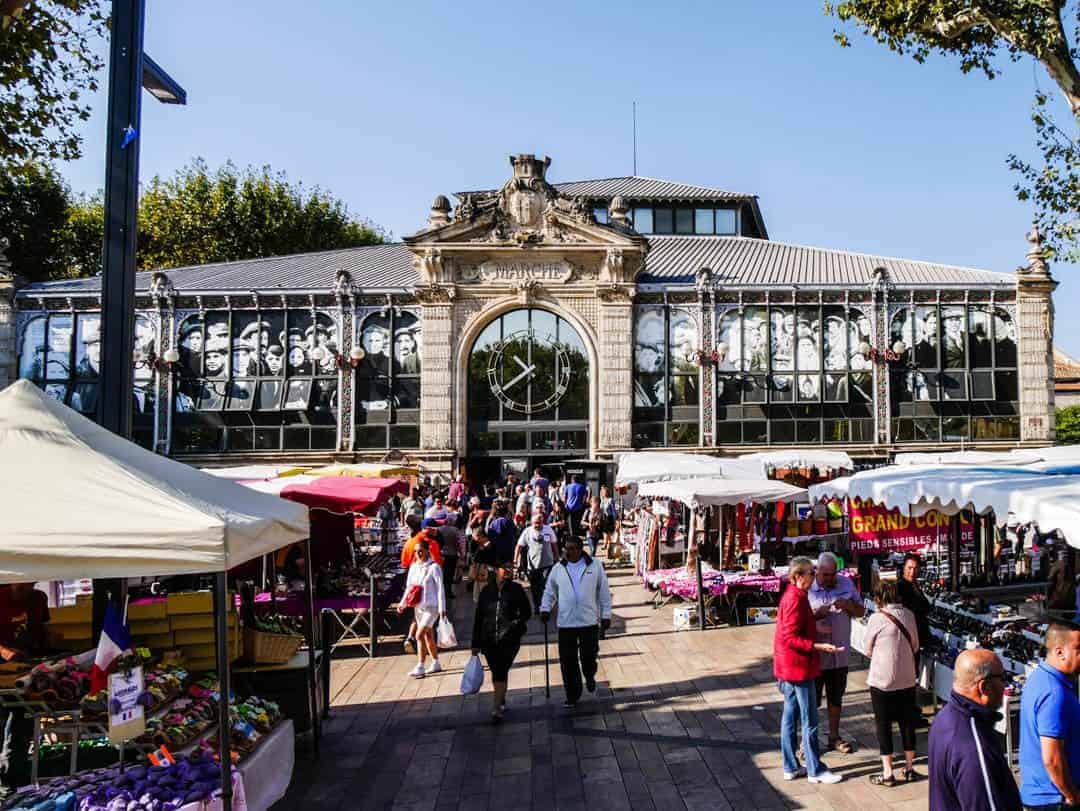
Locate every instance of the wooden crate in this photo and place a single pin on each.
(147, 627)
(156, 610)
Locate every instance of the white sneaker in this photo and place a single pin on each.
(826, 777)
(417, 672)
(799, 772)
(434, 667)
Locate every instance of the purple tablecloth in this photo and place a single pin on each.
(294, 604)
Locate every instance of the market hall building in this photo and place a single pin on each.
(546, 322)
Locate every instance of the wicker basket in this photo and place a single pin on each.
(264, 648)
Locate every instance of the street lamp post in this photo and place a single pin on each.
(130, 70)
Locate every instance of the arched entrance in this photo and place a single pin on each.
(527, 394)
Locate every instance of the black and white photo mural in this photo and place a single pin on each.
(61, 352)
(667, 376)
(387, 399)
(955, 377)
(256, 380)
(793, 374)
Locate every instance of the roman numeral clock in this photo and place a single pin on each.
(529, 373)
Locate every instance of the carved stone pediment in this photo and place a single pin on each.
(526, 212)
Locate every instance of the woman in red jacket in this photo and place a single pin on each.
(796, 666)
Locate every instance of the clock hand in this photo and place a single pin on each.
(519, 362)
(528, 371)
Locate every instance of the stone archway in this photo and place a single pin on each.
(479, 322)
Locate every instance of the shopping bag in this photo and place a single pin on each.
(446, 638)
(473, 677)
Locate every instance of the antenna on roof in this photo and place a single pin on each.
(635, 137)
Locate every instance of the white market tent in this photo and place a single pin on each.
(1015, 494)
(716, 492)
(79, 502)
(800, 457)
(644, 466)
(254, 472)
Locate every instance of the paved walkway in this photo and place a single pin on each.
(680, 720)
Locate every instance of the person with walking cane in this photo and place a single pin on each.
(578, 587)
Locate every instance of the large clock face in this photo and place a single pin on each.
(528, 372)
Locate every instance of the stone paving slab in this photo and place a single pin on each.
(680, 720)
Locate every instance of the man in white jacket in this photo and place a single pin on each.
(578, 585)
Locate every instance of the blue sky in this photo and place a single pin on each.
(388, 104)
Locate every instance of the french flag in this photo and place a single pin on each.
(115, 642)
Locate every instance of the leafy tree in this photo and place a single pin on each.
(1068, 425)
(48, 65)
(34, 211)
(199, 216)
(979, 33)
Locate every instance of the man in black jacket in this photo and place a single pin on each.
(502, 615)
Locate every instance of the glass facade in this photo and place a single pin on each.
(802, 373)
(61, 353)
(387, 403)
(256, 380)
(528, 386)
(793, 374)
(956, 378)
(666, 377)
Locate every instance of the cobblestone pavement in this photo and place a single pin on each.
(680, 720)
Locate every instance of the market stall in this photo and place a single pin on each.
(79, 501)
(357, 573)
(987, 527)
(703, 496)
(368, 470)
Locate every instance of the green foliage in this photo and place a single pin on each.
(195, 217)
(200, 216)
(34, 210)
(980, 33)
(47, 67)
(1068, 425)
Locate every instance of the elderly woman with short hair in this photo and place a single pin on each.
(796, 666)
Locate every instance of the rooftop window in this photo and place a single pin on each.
(683, 220)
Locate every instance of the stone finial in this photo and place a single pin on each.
(5, 263)
(703, 278)
(1036, 255)
(440, 212)
(618, 211)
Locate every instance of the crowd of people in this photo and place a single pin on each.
(967, 767)
(545, 533)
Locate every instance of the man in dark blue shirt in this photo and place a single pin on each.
(577, 497)
(503, 534)
(966, 765)
(1050, 724)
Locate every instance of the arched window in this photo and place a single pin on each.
(528, 388)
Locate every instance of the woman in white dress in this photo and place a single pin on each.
(427, 575)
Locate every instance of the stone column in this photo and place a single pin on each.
(1035, 337)
(437, 377)
(8, 369)
(616, 389)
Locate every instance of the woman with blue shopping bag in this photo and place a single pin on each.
(502, 615)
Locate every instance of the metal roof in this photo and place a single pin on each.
(371, 267)
(734, 261)
(746, 262)
(636, 187)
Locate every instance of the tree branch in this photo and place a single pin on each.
(954, 27)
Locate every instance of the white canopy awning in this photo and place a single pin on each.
(645, 466)
(801, 457)
(715, 492)
(1015, 494)
(77, 501)
(254, 472)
